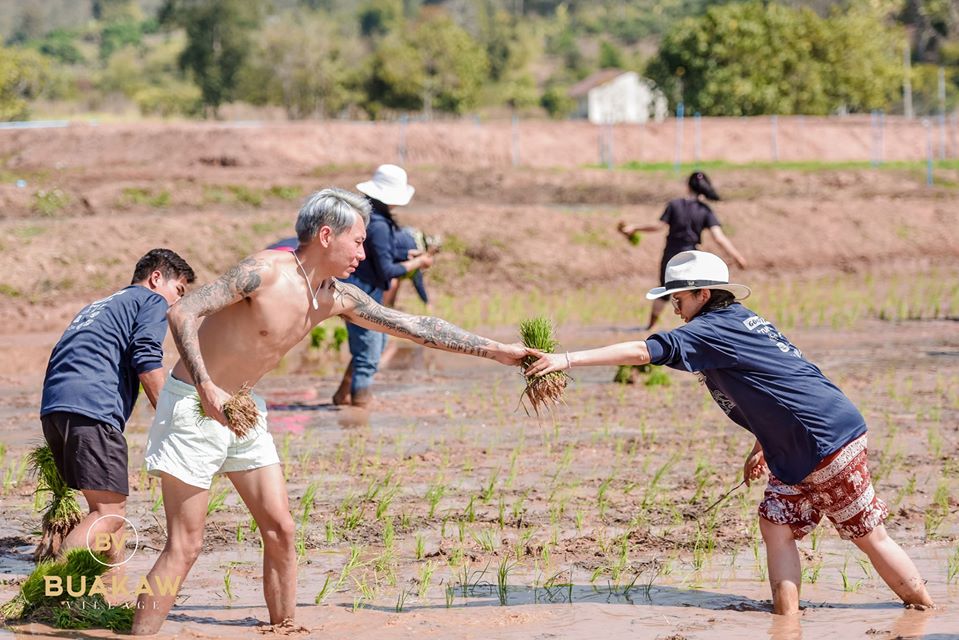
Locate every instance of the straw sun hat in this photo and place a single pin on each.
(697, 270)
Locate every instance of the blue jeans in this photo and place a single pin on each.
(366, 346)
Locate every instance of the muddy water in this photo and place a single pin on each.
(453, 420)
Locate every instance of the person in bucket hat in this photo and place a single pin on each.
(809, 436)
(388, 188)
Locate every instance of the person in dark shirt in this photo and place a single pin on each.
(92, 382)
(684, 221)
(387, 189)
(809, 436)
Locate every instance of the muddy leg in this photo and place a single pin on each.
(895, 567)
(782, 559)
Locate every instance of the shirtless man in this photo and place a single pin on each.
(254, 314)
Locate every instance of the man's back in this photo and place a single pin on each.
(94, 367)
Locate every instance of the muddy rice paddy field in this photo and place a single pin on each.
(446, 511)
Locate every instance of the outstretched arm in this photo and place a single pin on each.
(634, 352)
(727, 245)
(629, 229)
(436, 333)
(238, 283)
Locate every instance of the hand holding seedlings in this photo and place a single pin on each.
(755, 465)
(239, 411)
(544, 371)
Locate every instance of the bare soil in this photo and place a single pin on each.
(602, 504)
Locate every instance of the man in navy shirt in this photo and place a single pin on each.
(92, 382)
(388, 188)
(809, 436)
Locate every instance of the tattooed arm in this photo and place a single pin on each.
(436, 333)
(241, 281)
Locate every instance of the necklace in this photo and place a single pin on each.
(309, 285)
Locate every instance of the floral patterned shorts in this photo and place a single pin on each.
(838, 488)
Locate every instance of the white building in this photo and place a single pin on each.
(614, 95)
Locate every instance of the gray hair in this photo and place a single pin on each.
(333, 208)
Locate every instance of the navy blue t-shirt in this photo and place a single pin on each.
(94, 368)
(380, 265)
(764, 384)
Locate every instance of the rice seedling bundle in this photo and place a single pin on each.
(635, 238)
(547, 390)
(62, 513)
(65, 611)
(240, 411)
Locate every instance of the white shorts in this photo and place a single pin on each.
(194, 449)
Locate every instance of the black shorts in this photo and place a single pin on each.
(89, 454)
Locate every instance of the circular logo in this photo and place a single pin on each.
(105, 541)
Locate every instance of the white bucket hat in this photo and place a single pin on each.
(697, 270)
(388, 185)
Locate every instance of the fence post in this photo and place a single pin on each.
(928, 127)
(610, 161)
(680, 110)
(401, 146)
(514, 140)
(774, 134)
(698, 133)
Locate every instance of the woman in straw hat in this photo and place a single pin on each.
(684, 221)
(809, 436)
(388, 188)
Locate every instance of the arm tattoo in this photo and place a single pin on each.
(184, 317)
(428, 331)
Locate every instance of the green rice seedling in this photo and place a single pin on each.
(502, 579)
(62, 512)
(426, 575)
(847, 584)
(420, 546)
(486, 540)
(937, 512)
(935, 441)
(351, 564)
(541, 391)
(89, 612)
(340, 336)
(579, 517)
(400, 601)
(321, 596)
(658, 378)
(501, 519)
(952, 569)
(519, 509)
(450, 595)
(227, 578)
(307, 502)
(217, 500)
(434, 494)
(470, 512)
(490, 488)
(317, 336)
(240, 534)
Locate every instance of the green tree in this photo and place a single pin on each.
(218, 40)
(755, 58)
(379, 17)
(302, 64)
(23, 76)
(433, 64)
(610, 56)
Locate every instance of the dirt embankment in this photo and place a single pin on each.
(92, 199)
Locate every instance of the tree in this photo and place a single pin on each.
(23, 76)
(218, 40)
(301, 63)
(433, 64)
(755, 58)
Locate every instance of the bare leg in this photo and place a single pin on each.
(655, 312)
(782, 559)
(342, 394)
(264, 492)
(185, 507)
(102, 503)
(895, 567)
